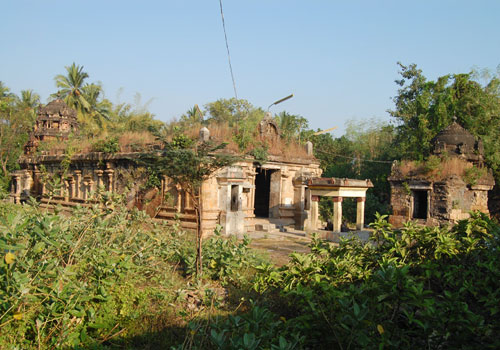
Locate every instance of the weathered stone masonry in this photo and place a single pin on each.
(427, 200)
(232, 197)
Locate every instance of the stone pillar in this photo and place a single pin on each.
(28, 182)
(187, 200)
(66, 185)
(78, 175)
(72, 183)
(36, 180)
(99, 178)
(178, 202)
(337, 214)
(275, 194)
(314, 213)
(109, 173)
(311, 219)
(16, 187)
(87, 186)
(360, 213)
(90, 186)
(42, 189)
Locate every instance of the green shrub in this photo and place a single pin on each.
(473, 174)
(256, 329)
(109, 145)
(227, 259)
(418, 287)
(78, 280)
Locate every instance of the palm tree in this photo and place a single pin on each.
(27, 103)
(71, 88)
(99, 108)
(192, 117)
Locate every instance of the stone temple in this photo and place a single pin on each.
(448, 187)
(235, 197)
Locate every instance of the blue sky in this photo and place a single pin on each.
(337, 57)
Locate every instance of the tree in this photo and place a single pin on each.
(291, 126)
(27, 103)
(99, 108)
(240, 114)
(231, 111)
(71, 88)
(133, 117)
(193, 117)
(16, 121)
(189, 164)
(423, 108)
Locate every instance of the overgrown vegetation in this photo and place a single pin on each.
(102, 275)
(433, 288)
(106, 277)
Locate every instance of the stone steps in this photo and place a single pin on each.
(263, 227)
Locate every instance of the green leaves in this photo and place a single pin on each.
(74, 278)
(415, 288)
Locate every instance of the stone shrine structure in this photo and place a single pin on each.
(458, 185)
(55, 121)
(339, 189)
(233, 197)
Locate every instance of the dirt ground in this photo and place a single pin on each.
(279, 247)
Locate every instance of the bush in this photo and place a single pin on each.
(78, 280)
(416, 288)
(110, 145)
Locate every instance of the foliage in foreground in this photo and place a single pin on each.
(93, 278)
(432, 288)
(97, 278)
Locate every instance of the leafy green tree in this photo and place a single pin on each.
(231, 111)
(240, 114)
(291, 126)
(133, 117)
(189, 164)
(423, 108)
(16, 121)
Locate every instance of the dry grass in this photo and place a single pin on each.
(128, 141)
(219, 132)
(436, 170)
(222, 132)
(135, 141)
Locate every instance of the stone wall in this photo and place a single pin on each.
(227, 198)
(450, 200)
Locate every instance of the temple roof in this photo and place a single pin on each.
(456, 140)
(455, 134)
(57, 107)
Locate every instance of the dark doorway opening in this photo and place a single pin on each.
(420, 204)
(262, 192)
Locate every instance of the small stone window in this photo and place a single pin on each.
(420, 204)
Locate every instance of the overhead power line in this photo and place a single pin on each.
(227, 47)
(356, 158)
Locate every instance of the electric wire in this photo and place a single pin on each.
(356, 158)
(227, 48)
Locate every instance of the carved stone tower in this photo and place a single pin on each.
(55, 121)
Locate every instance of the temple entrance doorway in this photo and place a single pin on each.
(420, 204)
(262, 192)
